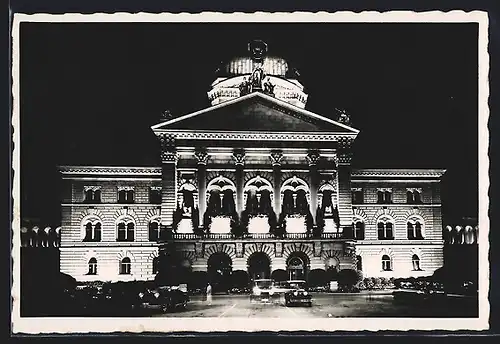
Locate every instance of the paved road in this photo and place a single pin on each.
(324, 306)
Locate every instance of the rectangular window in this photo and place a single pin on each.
(155, 196)
(125, 195)
(384, 196)
(122, 196)
(357, 196)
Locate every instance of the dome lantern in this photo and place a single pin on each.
(257, 72)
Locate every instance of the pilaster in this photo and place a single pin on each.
(239, 161)
(276, 158)
(202, 157)
(313, 159)
(169, 178)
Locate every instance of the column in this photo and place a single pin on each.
(169, 179)
(276, 157)
(239, 161)
(312, 159)
(202, 157)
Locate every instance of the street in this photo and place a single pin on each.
(324, 306)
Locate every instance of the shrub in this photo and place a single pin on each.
(347, 279)
(317, 277)
(368, 282)
(361, 285)
(281, 275)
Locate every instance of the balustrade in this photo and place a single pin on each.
(261, 236)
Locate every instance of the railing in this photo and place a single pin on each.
(229, 236)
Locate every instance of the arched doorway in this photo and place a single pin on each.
(259, 266)
(297, 266)
(219, 269)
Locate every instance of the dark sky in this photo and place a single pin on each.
(90, 92)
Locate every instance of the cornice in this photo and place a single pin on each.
(426, 173)
(103, 170)
(259, 136)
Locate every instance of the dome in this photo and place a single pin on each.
(257, 72)
(257, 57)
(275, 66)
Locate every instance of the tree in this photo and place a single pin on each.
(347, 279)
(240, 279)
(279, 275)
(317, 278)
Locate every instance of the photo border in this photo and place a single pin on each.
(38, 325)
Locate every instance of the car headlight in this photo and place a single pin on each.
(305, 293)
(157, 295)
(296, 293)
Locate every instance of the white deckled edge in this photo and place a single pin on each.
(108, 325)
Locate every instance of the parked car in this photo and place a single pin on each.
(264, 290)
(298, 293)
(164, 298)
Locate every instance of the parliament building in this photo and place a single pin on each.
(255, 184)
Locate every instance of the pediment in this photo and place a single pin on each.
(255, 112)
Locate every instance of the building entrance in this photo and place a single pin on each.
(259, 266)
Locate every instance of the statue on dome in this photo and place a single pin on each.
(258, 49)
(257, 78)
(245, 87)
(269, 87)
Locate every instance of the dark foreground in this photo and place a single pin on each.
(325, 305)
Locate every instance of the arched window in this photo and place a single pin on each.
(130, 196)
(295, 193)
(92, 231)
(125, 194)
(89, 196)
(415, 228)
(416, 197)
(97, 196)
(359, 263)
(125, 266)
(415, 262)
(97, 231)
(258, 192)
(122, 232)
(125, 230)
(130, 231)
(154, 231)
(122, 196)
(156, 265)
(359, 229)
(92, 266)
(384, 196)
(88, 232)
(385, 229)
(413, 196)
(386, 263)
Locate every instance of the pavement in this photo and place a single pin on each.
(324, 306)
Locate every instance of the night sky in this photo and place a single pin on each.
(90, 93)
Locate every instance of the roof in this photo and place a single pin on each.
(255, 112)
